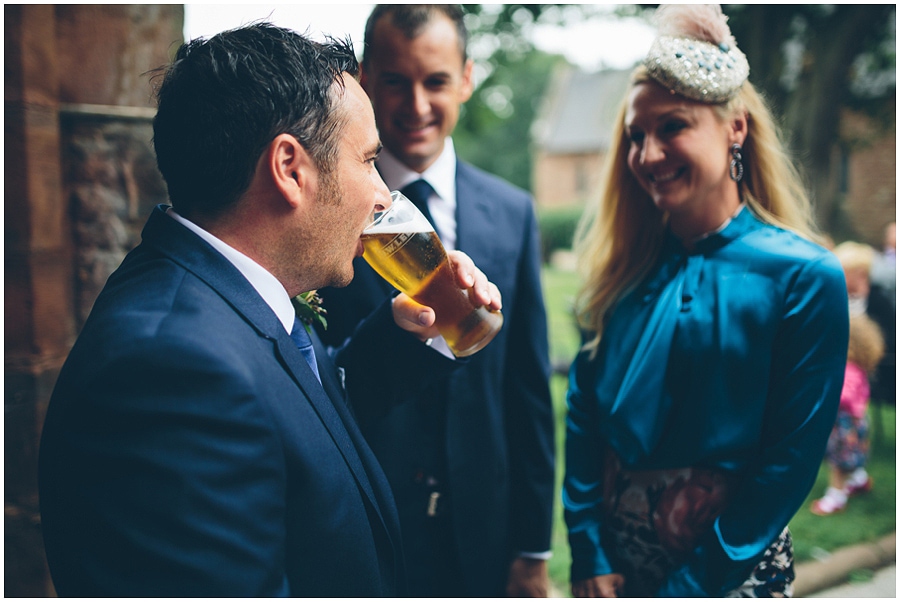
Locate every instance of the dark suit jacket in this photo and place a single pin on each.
(883, 311)
(188, 449)
(492, 441)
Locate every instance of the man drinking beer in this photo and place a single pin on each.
(198, 442)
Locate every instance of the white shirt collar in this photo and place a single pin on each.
(268, 287)
(441, 174)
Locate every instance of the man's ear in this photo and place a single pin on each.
(467, 85)
(291, 167)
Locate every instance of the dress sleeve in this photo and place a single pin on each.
(582, 493)
(806, 374)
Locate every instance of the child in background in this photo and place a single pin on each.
(848, 445)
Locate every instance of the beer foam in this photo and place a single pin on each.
(402, 216)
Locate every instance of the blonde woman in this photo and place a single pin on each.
(701, 403)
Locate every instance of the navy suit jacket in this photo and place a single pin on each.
(188, 449)
(494, 442)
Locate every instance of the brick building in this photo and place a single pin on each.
(572, 133)
(869, 162)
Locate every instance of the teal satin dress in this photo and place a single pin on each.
(729, 356)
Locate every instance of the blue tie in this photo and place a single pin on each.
(418, 192)
(304, 344)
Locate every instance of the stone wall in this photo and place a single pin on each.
(111, 184)
(80, 178)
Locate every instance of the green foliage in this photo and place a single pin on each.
(557, 226)
(494, 129)
(855, 44)
(861, 576)
(812, 61)
(503, 19)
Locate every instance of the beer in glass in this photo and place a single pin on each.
(402, 246)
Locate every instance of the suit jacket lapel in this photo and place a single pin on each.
(475, 227)
(329, 405)
(188, 250)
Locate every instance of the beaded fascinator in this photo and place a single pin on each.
(694, 53)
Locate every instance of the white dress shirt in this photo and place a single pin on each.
(442, 177)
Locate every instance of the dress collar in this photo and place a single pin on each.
(734, 227)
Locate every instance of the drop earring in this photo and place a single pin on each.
(737, 166)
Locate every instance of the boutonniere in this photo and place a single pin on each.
(308, 308)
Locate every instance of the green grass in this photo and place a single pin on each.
(559, 294)
(867, 517)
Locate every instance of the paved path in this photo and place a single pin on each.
(819, 579)
(882, 585)
(829, 577)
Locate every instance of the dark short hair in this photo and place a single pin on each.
(223, 100)
(410, 19)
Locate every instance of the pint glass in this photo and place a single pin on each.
(402, 246)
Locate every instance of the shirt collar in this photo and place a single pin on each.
(441, 174)
(268, 287)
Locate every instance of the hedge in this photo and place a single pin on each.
(557, 225)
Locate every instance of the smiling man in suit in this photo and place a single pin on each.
(198, 441)
(471, 459)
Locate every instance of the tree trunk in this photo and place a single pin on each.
(813, 112)
(833, 37)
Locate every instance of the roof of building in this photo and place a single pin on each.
(578, 110)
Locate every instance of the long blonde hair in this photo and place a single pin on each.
(618, 240)
(865, 347)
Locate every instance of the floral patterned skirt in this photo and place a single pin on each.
(654, 519)
(848, 444)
